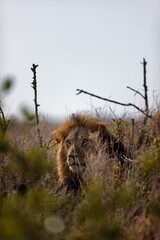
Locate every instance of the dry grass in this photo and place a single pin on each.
(111, 206)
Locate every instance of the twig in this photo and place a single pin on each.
(34, 86)
(113, 101)
(136, 92)
(145, 88)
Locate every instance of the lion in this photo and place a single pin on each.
(75, 143)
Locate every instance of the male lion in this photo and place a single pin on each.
(75, 142)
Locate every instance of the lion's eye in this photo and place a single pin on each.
(85, 141)
(68, 143)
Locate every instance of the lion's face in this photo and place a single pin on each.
(77, 144)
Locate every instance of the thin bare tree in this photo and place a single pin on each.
(144, 111)
(34, 86)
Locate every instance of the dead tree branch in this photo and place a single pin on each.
(145, 86)
(113, 101)
(136, 92)
(34, 86)
(145, 111)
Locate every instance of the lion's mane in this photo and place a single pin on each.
(66, 177)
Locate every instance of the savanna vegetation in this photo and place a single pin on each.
(111, 206)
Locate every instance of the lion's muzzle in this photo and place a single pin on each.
(76, 163)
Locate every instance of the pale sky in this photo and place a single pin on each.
(95, 45)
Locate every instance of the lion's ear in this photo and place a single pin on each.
(100, 128)
(103, 132)
(56, 137)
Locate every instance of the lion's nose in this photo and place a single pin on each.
(73, 156)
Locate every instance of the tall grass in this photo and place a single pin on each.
(110, 207)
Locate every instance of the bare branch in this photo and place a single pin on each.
(137, 92)
(145, 86)
(112, 101)
(102, 98)
(34, 86)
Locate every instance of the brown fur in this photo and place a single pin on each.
(74, 142)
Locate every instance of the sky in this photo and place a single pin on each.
(94, 45)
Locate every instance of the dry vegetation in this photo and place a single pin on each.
(110, 207)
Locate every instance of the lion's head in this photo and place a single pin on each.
(75, 143)
(74, 139)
